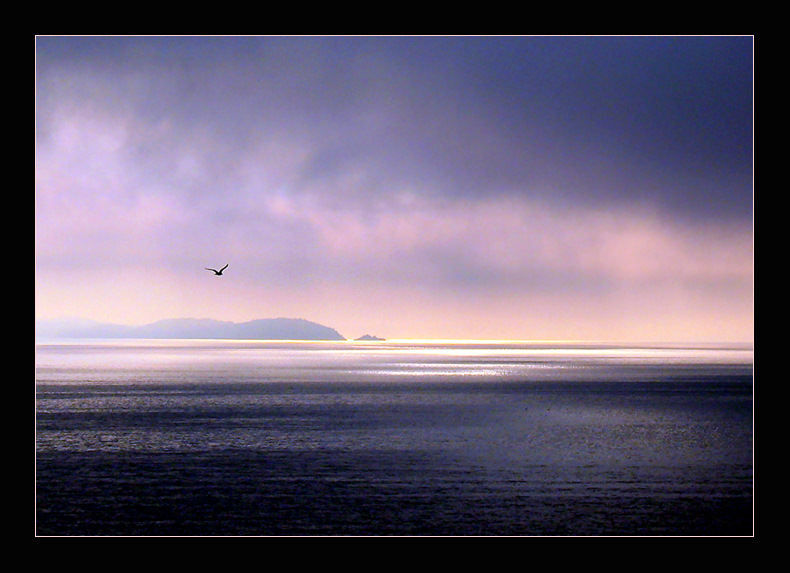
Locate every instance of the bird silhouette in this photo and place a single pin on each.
(218, 272)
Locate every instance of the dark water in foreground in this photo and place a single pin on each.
(342, 438)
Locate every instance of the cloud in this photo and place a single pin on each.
(517, 167)
(515, 238)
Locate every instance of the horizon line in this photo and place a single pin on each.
(403, 340)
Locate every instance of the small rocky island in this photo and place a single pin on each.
(191, 328)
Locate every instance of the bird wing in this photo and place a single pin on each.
(223, 268)
(208, 269)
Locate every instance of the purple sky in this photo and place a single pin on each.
(427, 187)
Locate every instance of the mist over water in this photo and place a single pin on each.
(392, 438)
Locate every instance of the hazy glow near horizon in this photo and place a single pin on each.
(484, 188)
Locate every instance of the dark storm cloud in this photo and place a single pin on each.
(660, 120)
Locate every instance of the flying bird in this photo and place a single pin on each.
(218, 272)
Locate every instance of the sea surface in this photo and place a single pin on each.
(406, 438)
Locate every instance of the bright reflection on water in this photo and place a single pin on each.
(558, 439)
(351, 361)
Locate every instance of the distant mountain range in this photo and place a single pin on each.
(263, 329)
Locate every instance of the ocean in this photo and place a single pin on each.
(392, 438)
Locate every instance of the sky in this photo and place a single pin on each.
(531, 188)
